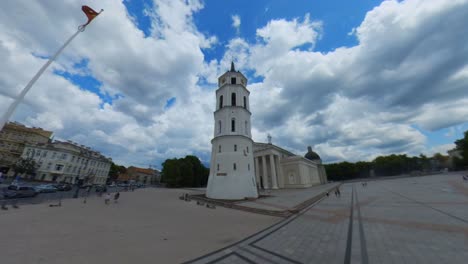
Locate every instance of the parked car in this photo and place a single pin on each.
(45, 188)
(101, 188)
(86, 186)
(63, 187)
(15, 191)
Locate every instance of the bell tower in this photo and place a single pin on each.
(232, 174)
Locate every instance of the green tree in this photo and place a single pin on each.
(184, 172)
(462, 145)
(115, 170)
(25, 166)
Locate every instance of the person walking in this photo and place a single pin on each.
(107, 198)
(116, 197)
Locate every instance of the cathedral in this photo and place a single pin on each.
(240, 166)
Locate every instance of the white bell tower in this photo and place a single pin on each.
(232, 173)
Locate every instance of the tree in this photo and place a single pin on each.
(462, 145)
(184, 172)
(25, 166)
(115, 170)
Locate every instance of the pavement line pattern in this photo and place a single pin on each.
(365, 258)
(349, 241)
(428, 206)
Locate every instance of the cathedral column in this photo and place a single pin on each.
(274, 181)
(264, 173)
(257, 172)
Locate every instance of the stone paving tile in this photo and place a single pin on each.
(412, 220)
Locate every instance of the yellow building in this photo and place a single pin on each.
(13, 138)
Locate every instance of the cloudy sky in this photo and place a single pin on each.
(353, 79)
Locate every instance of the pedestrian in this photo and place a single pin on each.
(107, 198)
(338, 191)
(116, 197)
(327, 194)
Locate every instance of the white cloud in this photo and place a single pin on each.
(236, 22)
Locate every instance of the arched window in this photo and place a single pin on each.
(234, 166)
(245, 102)
(220, 102)
(219, 148)
(246, 126)
(219, 127)
(233, 125)
(233, 99)
(235, 147)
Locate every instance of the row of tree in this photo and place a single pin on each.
(184, 172)
(398, 164)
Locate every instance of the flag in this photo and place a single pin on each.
(90, 13)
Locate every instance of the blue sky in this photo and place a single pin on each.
(353, 79)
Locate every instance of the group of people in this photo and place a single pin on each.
(107, 197)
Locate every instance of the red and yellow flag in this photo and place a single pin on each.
(90, 13)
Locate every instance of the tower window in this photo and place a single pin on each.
(245, 102)
(235, 147)
(233, 125)
(247, 149)
(220, 102)
(233, 80)
(219, 148)
(219, 127)
(246, 126)
(233, 99)
(234, 166)
(248, 166)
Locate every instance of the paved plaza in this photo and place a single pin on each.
(406, 220)
(147, 226)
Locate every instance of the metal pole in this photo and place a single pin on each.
(12, 107)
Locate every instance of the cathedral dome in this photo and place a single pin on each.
(310, 155)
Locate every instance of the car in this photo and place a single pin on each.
(101, 188)
(15, 191)
(45, 188)
(63, 187)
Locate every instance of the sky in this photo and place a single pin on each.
(352, 79)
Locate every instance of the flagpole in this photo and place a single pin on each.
(25, 90)
(12, 107)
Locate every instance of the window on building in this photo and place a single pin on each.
(233, 125)
(217, 167)
(220, 102)
(64, 156)
(233, 80)
(219, 148)
(246, 127)
(49, 165)
(219, 127)
(58, 167)
(44, 154)
(235, 147)
(245, 102)
(38, 153)
(53, 155)
(73, 158)
(248, 166)
(233, 99)
(234, 167)
(247, 149)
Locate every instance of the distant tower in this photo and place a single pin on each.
(232, 174)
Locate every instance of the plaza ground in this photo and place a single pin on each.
(405, 220)
(147, 226)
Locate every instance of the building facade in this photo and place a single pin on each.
(13, 138)
(232, 173)
(141, 175)
(68, 162)
(277, 168)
